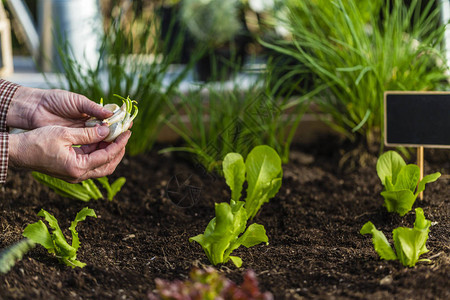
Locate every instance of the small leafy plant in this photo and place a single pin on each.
(111, 189)
(401, 182)
(263, 172)
(84, 191)
(221, 236)
(409, 242)
(55, 242)
(228, 230)
(209, 284)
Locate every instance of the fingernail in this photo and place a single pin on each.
(103, 130)
(108, 112)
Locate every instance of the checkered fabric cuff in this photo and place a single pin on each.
(3, 156)
(7, 90)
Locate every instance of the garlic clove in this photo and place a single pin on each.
(120, 121)
(118, 116)
(92, 122)
(114, 131)
(111, 107)
(114, 108)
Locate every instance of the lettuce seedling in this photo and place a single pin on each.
(12, 254)
(84, 191)
(223, 234)
(55, 242)
(401, 182)
(263, 173)
(111, 189)
(409, 242)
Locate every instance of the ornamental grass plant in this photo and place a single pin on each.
(235, 116)
(132, 64)
(357, 49)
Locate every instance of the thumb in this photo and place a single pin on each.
(92, 109)
(88, 135)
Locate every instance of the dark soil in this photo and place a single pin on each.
(313, 225)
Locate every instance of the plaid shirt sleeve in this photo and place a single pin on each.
(7, 91)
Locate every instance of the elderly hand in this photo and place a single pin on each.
(34, 108)
(50, 150)
(56, 119)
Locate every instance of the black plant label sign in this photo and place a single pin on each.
(417, 119)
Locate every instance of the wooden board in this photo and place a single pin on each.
(416, 119)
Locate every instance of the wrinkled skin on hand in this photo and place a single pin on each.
(56, 119)
(50, 150)
(34, 108)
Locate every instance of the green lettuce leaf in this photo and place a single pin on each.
(55, 242)
(91, 189)
(39, 234)
(410, 242)
(400, 202)
(114, 188)
(234, 171)
(228, 230)
(264, 174)
(61, 247)
(401, 182)
(221, 236)
(407, 178)
(254, 235)
(427, 179)
(81, 216)
(389, 165)
(236, 260)
(380, 242)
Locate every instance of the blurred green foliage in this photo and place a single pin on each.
(356, 50)
(131, 63)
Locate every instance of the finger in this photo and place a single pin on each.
(86, 136)
(103, 145)
(91, 108)
(104, 156)
(86, 149)
(106, 169)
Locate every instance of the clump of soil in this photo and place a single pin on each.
(313, 225)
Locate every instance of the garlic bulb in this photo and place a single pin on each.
(121, 119)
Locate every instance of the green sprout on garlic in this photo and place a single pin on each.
(121, 119)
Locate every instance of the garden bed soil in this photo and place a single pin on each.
(313, 225)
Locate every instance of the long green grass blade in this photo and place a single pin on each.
(12, 254)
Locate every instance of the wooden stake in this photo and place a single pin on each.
(6, 67)
(420, 164)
